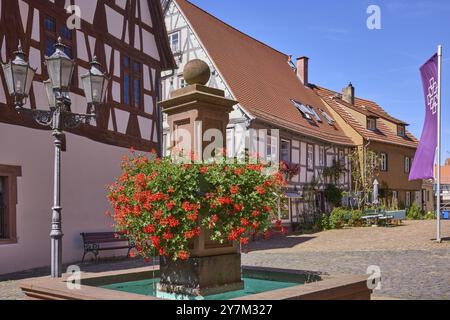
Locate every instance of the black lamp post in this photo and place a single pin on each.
(19, 77)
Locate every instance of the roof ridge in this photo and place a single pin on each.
(233, 28)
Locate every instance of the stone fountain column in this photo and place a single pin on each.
(213, 268)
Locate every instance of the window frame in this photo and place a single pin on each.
(408, 199)
(370, 121)
(384, 162)
(401, 130)
(310, 161)
(271, 145)
(289, 150)
(407, 164)
(178, 33)
(10, 174)
(322, 156)
(133, 75)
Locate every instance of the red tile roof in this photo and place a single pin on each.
(383, 132)
(260, 77)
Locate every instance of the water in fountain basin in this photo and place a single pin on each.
(252, 286)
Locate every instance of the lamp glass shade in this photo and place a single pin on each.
(19, 75)
(60, 68)
(50, 94)
(95, 84)
(7, 71)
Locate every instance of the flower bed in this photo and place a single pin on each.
(161, 205)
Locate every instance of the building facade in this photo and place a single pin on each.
(373, 129)
(130, 41)
(273, 94)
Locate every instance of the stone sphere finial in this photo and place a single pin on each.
(197, 72)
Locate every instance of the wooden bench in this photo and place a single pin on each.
(93, 242)
(396, 217)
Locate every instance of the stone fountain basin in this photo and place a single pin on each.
(312, 286)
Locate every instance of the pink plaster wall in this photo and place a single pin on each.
(87, 167)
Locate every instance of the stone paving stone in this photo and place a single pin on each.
(412, 266)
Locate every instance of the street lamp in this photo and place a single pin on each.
(19, 77)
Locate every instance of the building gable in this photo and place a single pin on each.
(110, 30)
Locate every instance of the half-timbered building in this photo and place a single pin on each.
(129, 39)
(273, 93)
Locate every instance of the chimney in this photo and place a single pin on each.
(302, 70)
(348, 94)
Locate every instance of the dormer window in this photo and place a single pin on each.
(372, 124)
(401, 131)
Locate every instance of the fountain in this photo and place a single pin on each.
(213, 270)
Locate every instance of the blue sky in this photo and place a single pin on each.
(383, 64)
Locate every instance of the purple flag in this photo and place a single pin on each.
(423, 164)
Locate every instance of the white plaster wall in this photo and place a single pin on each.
(87, 167)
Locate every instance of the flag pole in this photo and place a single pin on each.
(439, 156)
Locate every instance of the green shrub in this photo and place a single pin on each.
(430, 216)
(355, 218)
(323, 223)
(414, 213)
(333, 195)
(339, 218)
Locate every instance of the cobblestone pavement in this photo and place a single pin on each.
(412, 266)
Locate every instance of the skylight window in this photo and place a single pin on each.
(327, 117)
(307, 113)
(314, 113)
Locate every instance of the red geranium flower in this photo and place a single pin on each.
(260, 190)
(170, 205)
(150, 229)
(183, 255)
(256, 214)
(234, 189)
(204, 170)
(168, 236)
(244, 241)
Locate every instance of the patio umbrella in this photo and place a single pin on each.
(375, 192)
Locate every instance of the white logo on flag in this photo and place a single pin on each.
(433, 96)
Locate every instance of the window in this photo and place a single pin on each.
(395, 195)
(284, 212)
(54, 28)
(322, 156)
(401, 130)
(230, 143)
(314, 113)
(285, 155)
(174, 40)
(181, 82)
(8, 202)
(271, 149)
(384, 162)
(342, 158)
(372, 124)
(310, 157)
(305, 111)
(408, 199)
(327, 117)
(407, 164)
(132, 91)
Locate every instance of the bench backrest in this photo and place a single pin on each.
(398, 215)
(103, 237)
